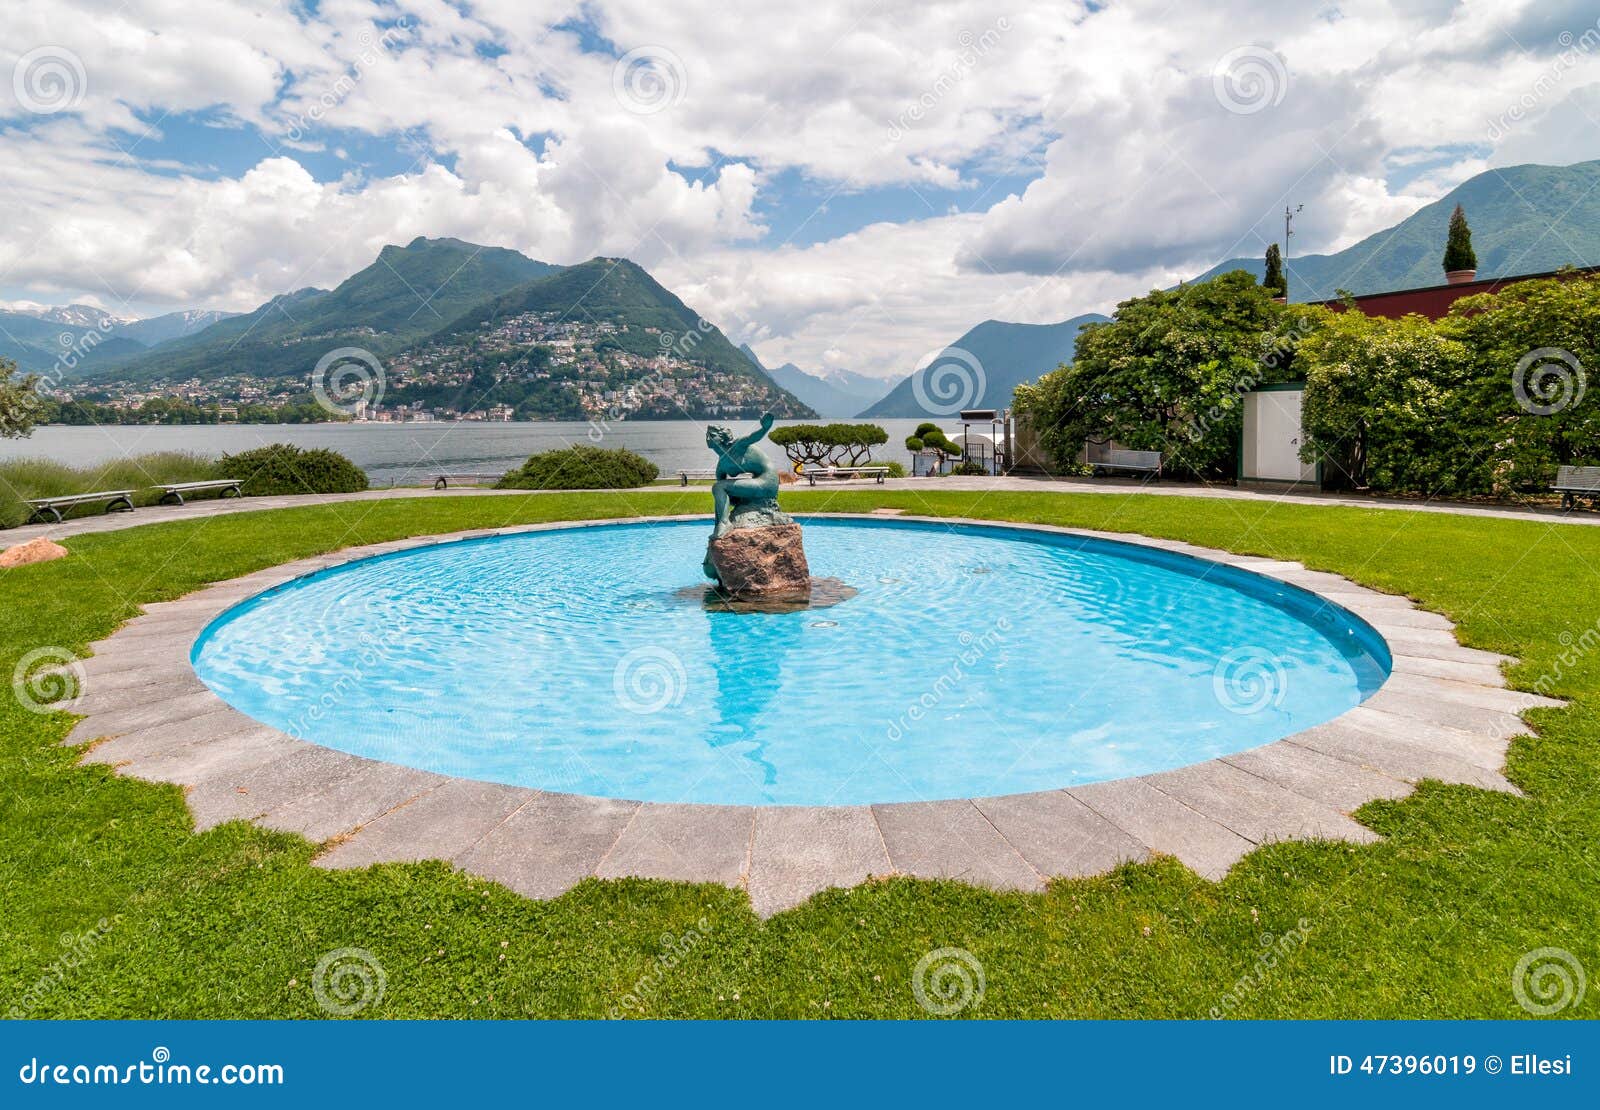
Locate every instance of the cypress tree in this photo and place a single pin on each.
(1458, 253)
(1273, 281)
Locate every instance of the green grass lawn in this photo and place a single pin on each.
(1428, 923)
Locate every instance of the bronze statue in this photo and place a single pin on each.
(755, 547)
(746, 479)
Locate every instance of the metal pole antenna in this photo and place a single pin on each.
(1288, 230)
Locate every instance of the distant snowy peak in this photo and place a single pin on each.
(173, 325)
(81, 316)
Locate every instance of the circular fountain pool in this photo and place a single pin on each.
(972, 661)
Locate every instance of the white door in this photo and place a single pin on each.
(1272, 438)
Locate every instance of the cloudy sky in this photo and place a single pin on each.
(839, 183)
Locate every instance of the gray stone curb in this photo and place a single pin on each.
(1443, 714)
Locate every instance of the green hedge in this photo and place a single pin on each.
(285, 468)
(582, 467)
(1489, 400)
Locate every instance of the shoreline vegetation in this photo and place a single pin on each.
(278, 468)
(21, 479)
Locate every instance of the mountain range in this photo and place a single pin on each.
(1525, 220)
(835, 394)
(641, 318)
(1009, 354)
(405, 294)
(38, 339)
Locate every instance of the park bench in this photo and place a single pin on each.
(442, 481)
(49, 508)
(840, 473)
(174, 491)
(1129, 462)
(1573, 482)
(685, 475)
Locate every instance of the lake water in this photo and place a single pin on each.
(408, 454)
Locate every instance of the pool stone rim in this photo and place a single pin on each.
(1443, 713)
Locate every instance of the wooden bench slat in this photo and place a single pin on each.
(839, 472)
(210, 483)
(76, 498)
(172, 492)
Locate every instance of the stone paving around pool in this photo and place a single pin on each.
(1444, 714)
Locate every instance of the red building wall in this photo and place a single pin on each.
(1434, 301)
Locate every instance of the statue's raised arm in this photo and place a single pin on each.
(755, 437)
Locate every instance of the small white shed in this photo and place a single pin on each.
(1270, 450)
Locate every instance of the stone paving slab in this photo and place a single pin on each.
(1397, 617)
(1355, 598)
(442, 823)
(1260, 811)
(1397, 758)
(549, 845)
(350, 800)
(163, 624)
(114, 690)
(952, 840)
(247, 794)
(700, 844)
(1431, 644)
(1477, 673)
(1488, 752)
(214, 756)
(1323, 778)
(132, 718)
(1440, 711)
(1164, 824)
(1467, 693)
(1058, 835)
(172, 638)
(799, 850)
(96, 698)
(159, 739)
(1445, 714)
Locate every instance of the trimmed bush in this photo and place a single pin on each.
(968, 468)
(582, 467)
(828, 444)
(285, 468)
(929, 437)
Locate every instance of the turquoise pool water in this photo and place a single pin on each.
(973, 661)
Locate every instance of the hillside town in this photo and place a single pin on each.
(531, 366)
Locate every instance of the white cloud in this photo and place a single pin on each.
(875, 300)
(1143, 175)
